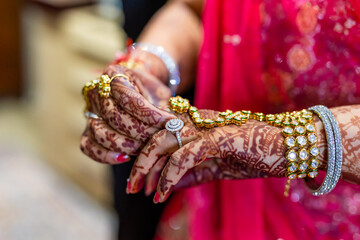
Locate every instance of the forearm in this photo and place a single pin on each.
(177, 28)
(348, 118)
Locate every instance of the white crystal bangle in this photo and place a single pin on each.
(338, 147)
(169, 62)
(326, 186)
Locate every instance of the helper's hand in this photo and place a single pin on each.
(128, 118)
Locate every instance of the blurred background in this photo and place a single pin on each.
(48, 50)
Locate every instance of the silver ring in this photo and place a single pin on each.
(174, 126)
(91, 115)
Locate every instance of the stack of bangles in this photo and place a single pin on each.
(300, 139)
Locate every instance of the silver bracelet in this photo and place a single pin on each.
(327, 183)
(169, 62)
(338, 148)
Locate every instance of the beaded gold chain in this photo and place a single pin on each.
(297, 128)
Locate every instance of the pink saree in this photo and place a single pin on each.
(274, 56)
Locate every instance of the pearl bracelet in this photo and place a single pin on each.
(169, 62)
(334, 152)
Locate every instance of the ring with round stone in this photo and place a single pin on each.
(174, 126)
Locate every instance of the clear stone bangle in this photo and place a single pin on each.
(326, 186)
(338, 148)
(169, 62)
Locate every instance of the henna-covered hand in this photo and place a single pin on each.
(236, 152)
(230, 152)
(129, 117)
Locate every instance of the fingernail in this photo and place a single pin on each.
(128, 187)
(156, 198)
(122, 158)
(138, 184)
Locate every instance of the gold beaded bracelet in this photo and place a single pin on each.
(297, 128)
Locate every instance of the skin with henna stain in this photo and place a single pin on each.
(252, 150)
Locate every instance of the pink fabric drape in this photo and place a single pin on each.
(234, 83)
(230, 77)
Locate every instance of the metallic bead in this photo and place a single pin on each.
(312, 138)
(291, 176)
(287, 131)
(289, 142)
(278, 123)
(228, 119)
(302, 121)
(209, 123)
(196, 115)
(313, 174)
(314, 163)
(291, 155)
(192, 109)
(285, 123)
(223, 114)
(220, 122)
(294, 123)
(301, 141)
(303, 166)
(236, 120)
(292, 167)
(301, 175)
(310, 127)
(303, 154)
(314, 151)
(199, 122)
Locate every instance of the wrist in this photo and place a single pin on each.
(275, 152)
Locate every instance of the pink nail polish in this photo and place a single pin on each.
(156, 198)
(128, 187)
(122, 158)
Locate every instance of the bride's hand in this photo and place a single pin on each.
(254, 149)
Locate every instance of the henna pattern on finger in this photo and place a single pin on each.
(89, 147)
(133, 103)
(113, 141)
(122, 122)
(136, 102)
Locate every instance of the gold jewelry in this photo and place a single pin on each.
(119, 75)
(88, 86)
(103, 86)
(297, 128)
(181, 105)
